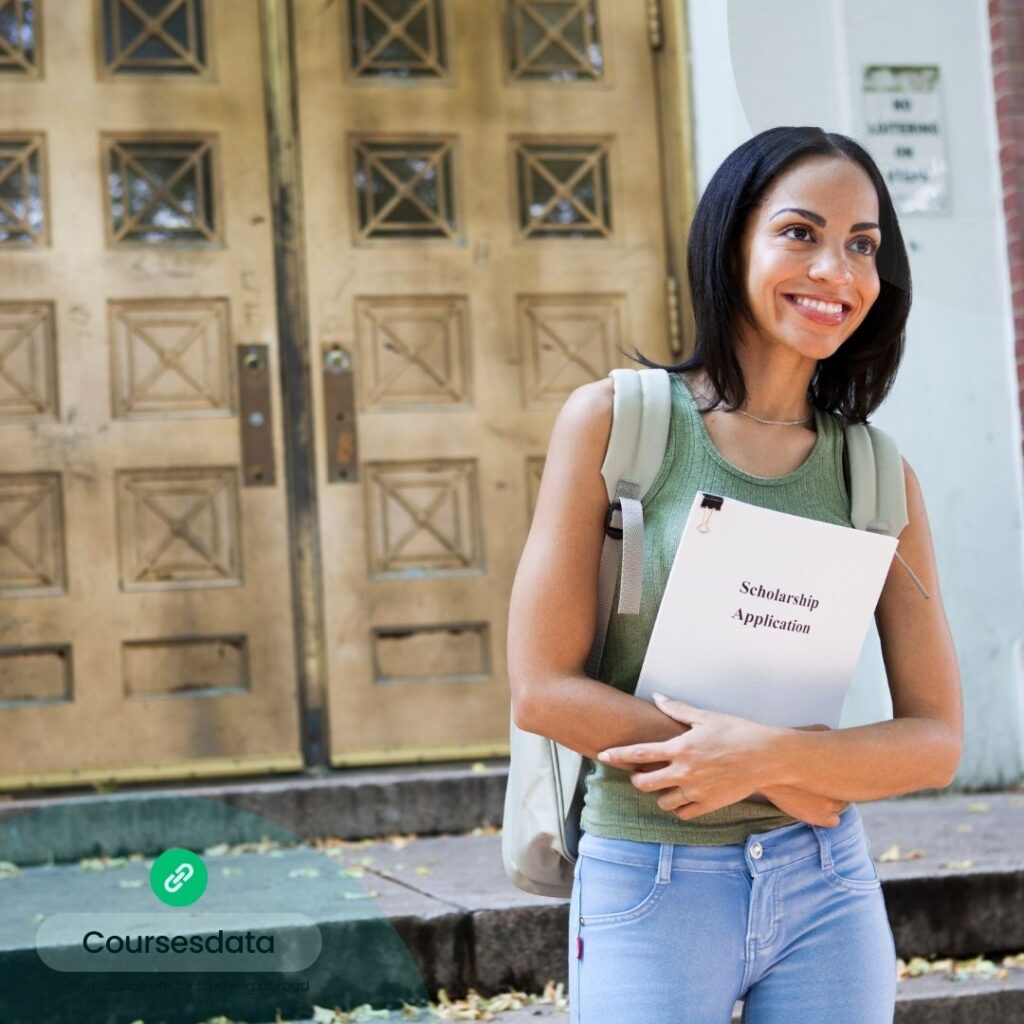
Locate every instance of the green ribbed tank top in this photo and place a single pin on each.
(614, 808)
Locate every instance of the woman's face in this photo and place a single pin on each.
(808, 258)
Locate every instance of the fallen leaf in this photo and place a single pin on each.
(478, 766)
(102, 863)
(894, 854)
(423, 871)
(958, 865)
(979, 807)
(964, 827)
(304, 873)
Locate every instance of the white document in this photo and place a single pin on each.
(765, 614)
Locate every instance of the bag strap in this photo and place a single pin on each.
(641, 413)
(877, 486)
(878, 494)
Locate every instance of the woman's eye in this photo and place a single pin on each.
(871, 246)
(798, 227)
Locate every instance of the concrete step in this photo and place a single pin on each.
(353, 803)
(931, 999)
(412, 915)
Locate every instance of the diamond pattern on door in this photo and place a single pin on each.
(154, 37)
(19, 37)
(178, 528)
(423, 518)
(404, 188)
(160, 191)
(28, 365)
(31, 535)
(566, 341)
(554, 40)
(398, 38)
(23, 215)
(414, 351)
(171, 356)
(564, 191)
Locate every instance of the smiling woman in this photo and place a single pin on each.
(721, 858)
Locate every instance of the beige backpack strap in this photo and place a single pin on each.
(878, 490)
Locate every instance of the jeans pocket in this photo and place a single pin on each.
(611, 892)
(853, 868)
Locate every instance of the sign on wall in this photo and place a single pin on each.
(905, 125)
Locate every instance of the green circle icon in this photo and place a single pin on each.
(178, 877)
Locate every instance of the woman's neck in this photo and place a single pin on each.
(776, 383)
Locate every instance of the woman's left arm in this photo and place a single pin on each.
(723, 758)
(920, 747)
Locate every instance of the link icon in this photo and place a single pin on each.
(178, 877)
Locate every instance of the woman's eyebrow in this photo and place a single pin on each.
(817, 218)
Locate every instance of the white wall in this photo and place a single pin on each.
(954, 412)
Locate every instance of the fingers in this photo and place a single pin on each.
(650, 781)
(692, 810)
(622, 757)
(672, 799)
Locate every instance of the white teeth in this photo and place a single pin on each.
(824, 307)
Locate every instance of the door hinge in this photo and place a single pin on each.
(675, 338)
(654, 28)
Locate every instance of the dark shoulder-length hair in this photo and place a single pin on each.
(854, 380)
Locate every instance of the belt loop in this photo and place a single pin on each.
(665, 863)
(825, 846)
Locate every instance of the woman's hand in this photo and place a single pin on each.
(804, 806)
(717, 762)
(798, 803)
(658, 767)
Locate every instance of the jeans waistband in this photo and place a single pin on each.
(762, 851)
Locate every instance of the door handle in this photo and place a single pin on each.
(340, 415)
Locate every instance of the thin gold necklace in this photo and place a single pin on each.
(773, 423)
(776, 423)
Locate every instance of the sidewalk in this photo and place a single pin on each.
(416, 914)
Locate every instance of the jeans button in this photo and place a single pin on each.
(756, 850)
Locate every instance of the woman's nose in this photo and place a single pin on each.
(831, 265)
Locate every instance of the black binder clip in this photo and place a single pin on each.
(615, 532)
(712, 503)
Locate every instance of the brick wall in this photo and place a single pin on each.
(1006, 21)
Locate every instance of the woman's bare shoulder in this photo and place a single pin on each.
(585, 419)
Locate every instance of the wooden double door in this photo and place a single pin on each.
(205, 302)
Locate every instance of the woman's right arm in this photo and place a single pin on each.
(553, 608)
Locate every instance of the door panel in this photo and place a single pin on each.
(145, 610)
(483, 230)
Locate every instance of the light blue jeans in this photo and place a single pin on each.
(792, 922)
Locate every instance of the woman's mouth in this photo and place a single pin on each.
(820, 311)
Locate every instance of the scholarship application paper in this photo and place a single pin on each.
(764, 615)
